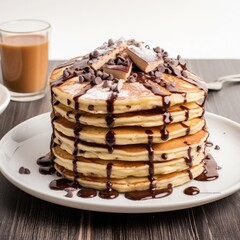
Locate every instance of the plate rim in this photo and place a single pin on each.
(120, 208)
(6, 99)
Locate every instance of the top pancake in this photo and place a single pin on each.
(147, 91)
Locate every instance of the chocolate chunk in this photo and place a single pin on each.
(81, 79)
(110, 42)
(97, 80)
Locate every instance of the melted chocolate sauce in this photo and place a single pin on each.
(150, 158)
(190, 174)
(188, 160)
(186, 110)
(44, 161)
(167, 119)
(110, 119)
(87, 193)
(188, 129)
(149, 193)
(191, 190)
(109, 192)
(210, 173)
(46, 165)
(62, 183)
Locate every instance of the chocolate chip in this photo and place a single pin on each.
(181, 60)
(184, 73)
(90, 107)
(105, 76)
(81, 79)
(165, 54)
(160, 68)
(105, 84)
(95, 53)
(99, 73)
(110, 42)
(120, 61)
(66, 73)
(158, 74)
(115, 80)
(23, 170)
(168, 70)
(157, 50)
(27, 171)
(176, 71)
(97, 80)
(111, 62)
(87, 76)
(110, 77)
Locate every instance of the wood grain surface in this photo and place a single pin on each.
(25, 217)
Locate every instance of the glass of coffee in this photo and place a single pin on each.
(24, 58)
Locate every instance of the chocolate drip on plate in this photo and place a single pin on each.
(87, 193)
(62, 183)
(191, 190)
(149, 193)
(210, 172)
(109, 192)
(46, 165)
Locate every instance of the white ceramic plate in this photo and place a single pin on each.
(4, 98)
(30, 140)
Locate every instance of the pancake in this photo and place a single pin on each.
(127, 117)
(130, 135)
(122, 169)
(136, 183)
(148, 118)
(175, 148)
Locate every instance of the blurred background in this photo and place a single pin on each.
(191, 28)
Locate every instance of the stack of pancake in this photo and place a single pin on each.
(128, 117)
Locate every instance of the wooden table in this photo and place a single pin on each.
(25, 217)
